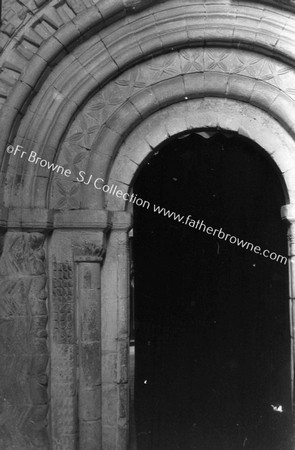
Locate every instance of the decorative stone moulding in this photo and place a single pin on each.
(96, 134)
(130, 39)
(225, 114)
(110, 115)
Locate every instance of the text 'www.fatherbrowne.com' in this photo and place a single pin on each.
(219, 233)
(99, 184)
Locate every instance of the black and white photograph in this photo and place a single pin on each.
(147, 224)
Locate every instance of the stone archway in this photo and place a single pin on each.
(177, 270)
(191, 114)
(225, 114)
(204, 113)
(98, 96)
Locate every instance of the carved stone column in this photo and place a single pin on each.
(288, 213)
(115, 335)
(88, 261)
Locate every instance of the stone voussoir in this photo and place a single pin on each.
(168, 91)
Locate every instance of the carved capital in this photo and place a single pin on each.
(291, 237)
(288, 213)
(121, 220)
(89, 252)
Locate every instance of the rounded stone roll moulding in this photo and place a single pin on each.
(148, 32)
(225, 114)
(138, 98)
(100, 58)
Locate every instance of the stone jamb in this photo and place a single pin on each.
(288, 214)
(115, 334)
(244, 119)
(76, 251)
(88, 271)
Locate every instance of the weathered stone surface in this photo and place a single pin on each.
(23, 337)
(109, 366)
(109, 437)
(90, 364)
(91, 435)
(63, 306)
(63, 384)
(90, 406)
(110, 404)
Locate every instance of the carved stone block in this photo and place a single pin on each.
(63, 306)
(23, 343)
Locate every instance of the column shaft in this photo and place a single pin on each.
(291, 239)
(89, 350)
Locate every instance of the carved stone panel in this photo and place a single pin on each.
(63, 383)
(63, 306)
(23, 343)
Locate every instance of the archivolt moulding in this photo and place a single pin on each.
(225, 114)
(62, 90)
(97, 133)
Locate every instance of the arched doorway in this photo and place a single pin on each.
(212, 322)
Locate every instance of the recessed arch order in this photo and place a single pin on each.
(111, 50)
(209, 112)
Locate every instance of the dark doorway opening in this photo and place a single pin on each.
(212, 338)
